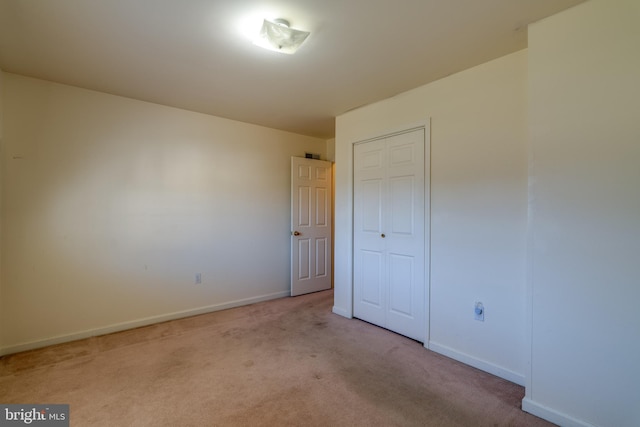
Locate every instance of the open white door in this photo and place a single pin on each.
(310, 225)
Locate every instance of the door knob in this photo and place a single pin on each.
(382, 235)
(296, 233)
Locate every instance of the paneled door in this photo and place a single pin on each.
(389, 233)
(310, 225)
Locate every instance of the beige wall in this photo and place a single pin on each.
(111, 206)
(478, 207)
(584, 121)
(331, 149)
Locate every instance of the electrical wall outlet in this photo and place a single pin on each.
(198, 278)
(479, 311)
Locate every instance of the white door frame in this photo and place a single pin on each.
(311, 225)
(346, 309)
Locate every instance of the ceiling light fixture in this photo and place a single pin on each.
(279, 37)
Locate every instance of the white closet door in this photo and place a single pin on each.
(389, 233)
(369, 267)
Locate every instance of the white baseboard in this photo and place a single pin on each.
(467, 359)
(552, 415)
(341, 312)
(138, 323)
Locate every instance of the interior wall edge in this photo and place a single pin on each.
(341, 312)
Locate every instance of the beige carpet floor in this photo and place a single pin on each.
(288, 362)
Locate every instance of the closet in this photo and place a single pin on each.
(389, 262)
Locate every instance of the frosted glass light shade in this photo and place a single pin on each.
(279, 37)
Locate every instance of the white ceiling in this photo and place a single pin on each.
(192, 54)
